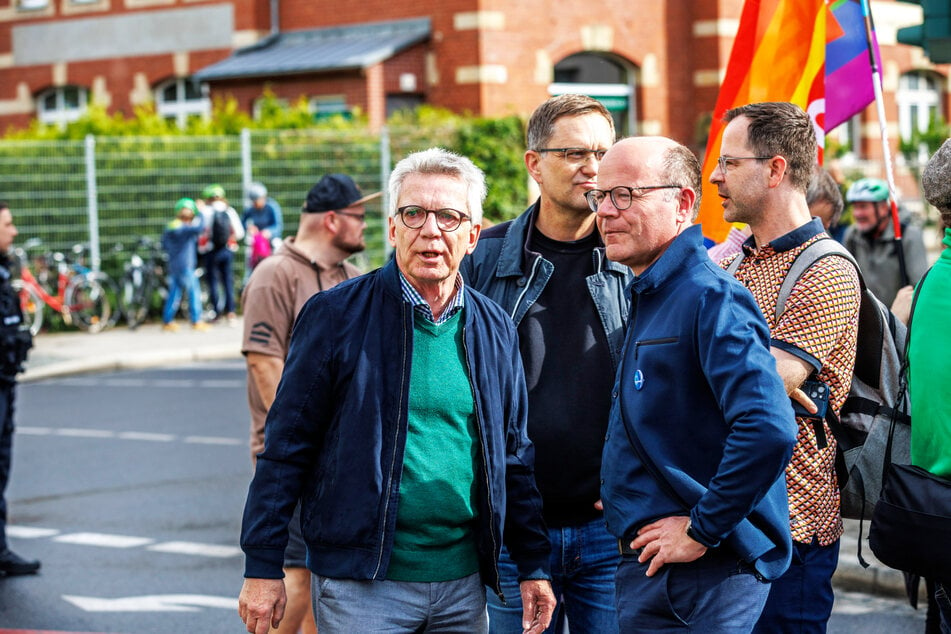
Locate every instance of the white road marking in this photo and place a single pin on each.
(125, 541)
(86, 433)
(213, 440)
(104, 540)
(153, 603)
(129, 435)
(30, 532)
(141, 435)
(195, 548)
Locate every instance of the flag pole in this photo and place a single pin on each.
(886, 148)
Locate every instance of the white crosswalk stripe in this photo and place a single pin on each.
(107, 540)
(28, 430)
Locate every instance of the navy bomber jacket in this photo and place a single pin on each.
(700, 424)
(336, 432)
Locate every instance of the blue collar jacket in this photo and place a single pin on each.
(336, 432)
(506, 270)
(700, 424)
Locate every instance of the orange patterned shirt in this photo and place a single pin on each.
(819, 325)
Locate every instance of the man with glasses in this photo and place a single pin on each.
(700, 428)
(768, 155)
(331, 228)
(399, 423)
(547, 270)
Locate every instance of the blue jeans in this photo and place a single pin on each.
(583, 561)
(716, 593)
(179, 283)
(219, 271)
(801, 600)
(346, 605)
(943, 600)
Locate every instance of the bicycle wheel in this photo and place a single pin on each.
(31, 304)
(87, 304)
(112, 295)
(135, 298)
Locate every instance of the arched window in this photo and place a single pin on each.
(602, 78)
(62, 105)
(180, 99)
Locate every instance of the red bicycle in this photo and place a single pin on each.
(81, 294)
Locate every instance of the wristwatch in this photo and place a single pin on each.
(692, 534)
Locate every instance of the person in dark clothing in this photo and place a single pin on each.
(15, 342)
(547, 269)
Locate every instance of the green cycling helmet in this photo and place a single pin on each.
(871, 190)
(213, 191)
(186, 203)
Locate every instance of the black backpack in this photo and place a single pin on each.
(861, 431)
(220, 229)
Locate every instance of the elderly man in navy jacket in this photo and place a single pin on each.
(701, 427)
(400, 424)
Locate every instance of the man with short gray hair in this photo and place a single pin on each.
(399, 423)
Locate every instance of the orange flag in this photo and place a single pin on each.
(778, 55)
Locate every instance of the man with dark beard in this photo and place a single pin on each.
(331, 230)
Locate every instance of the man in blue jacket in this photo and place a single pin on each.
(701, 427)
(547, 270)
(399, 422)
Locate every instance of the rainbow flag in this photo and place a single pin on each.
(803, 51)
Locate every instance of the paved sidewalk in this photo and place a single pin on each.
(61, 354)
(64, 354)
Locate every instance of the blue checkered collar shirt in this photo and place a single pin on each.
(420, 305)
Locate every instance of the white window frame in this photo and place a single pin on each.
(181, 108)
(61, 113)
(918, 97)
(32, 5)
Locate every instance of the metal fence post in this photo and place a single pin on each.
(246, 167)
(92, 203)
(384, 181)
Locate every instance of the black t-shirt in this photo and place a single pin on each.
(569, 373)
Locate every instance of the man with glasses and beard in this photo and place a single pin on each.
(331, 228)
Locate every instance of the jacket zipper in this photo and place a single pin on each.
(485, 469)
(528, 285)
(396, 436)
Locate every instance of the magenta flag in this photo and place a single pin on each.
(848, 67)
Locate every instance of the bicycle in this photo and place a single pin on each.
(81, 296)
(143, 279)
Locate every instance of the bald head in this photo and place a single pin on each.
(648, 188)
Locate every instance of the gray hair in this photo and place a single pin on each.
(823, 187)
(936, 181)
(441, 162)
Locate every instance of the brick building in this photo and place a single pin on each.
(657, 65)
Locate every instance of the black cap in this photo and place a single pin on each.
(334, 191)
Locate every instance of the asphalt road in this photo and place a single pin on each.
(129, 487)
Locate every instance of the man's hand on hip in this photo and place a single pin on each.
(261, 604)
(666, 542)
(538, 605)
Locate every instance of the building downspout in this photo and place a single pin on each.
(275, 17)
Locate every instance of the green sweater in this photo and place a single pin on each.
(929, 358)
(435, 536)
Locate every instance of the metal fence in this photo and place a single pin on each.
(106, 191)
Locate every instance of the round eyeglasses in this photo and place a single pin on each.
(621, 196)
(414, 217)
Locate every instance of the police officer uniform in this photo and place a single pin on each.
(15, 342)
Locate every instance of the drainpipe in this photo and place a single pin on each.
(275, 17)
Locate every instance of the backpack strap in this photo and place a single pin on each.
(807, 257)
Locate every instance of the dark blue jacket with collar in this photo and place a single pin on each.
(336, 432)
(503, 267)
(701, 424)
